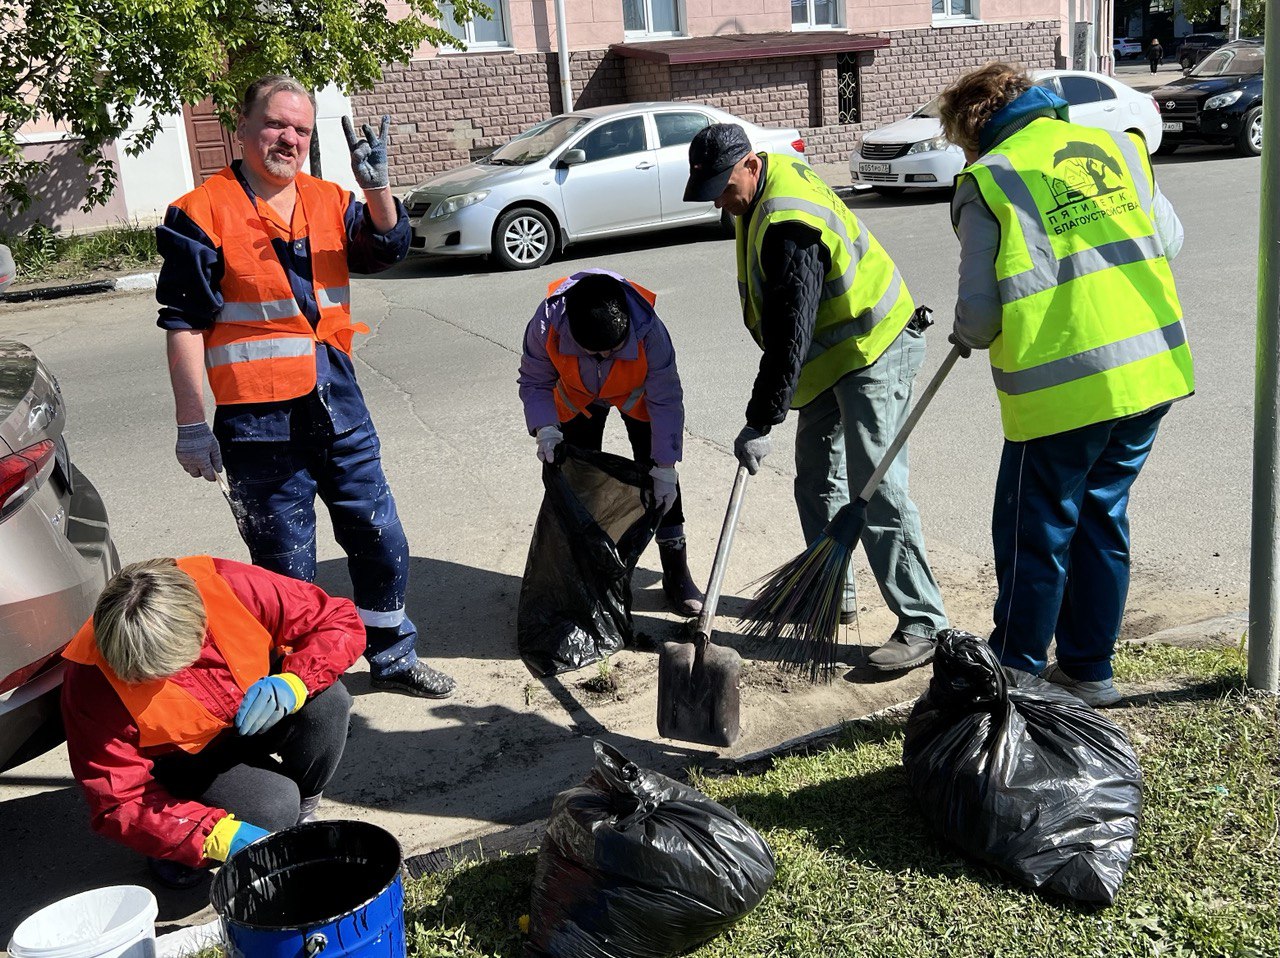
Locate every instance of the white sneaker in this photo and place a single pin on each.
(1101, 694)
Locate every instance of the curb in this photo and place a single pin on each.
(131, 282)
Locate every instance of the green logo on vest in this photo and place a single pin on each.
(1087, 185)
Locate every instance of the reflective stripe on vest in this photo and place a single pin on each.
(1091, 323)
(166, 713)
(258, 303)
(864, 303)
(622, 388)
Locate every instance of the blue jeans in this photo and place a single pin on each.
(1060, 529)
(841, 436)
(275, 485)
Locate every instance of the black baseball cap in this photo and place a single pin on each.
(713, 154)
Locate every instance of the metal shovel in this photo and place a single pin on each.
(698, 681)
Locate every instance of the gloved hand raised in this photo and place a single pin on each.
(267, 701)
(198, 452)
(548, 438)
(751, 447)
(664, 486)
(369, 153)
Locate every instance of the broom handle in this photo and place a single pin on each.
(913, 417)
(708, 615)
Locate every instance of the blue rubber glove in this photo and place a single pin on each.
(369, 153)
(245, 835)
(266, 703)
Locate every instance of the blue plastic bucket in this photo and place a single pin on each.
(321, 890)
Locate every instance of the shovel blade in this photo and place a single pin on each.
(698, 702)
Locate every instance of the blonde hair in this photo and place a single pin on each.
(969, 103)
(150, 621)
(262, 90)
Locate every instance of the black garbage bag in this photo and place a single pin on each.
(1022, 775)
(597, 517)
(636, 865)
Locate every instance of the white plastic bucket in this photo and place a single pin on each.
(114, 922)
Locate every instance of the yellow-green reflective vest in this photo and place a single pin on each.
(1091, 327)
(865, 304)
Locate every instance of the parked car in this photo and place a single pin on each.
(55, 548)
(914, 153)
(1219, 101)
(1194, 46)
(1124, 47)
(8, 270)
(590, 174)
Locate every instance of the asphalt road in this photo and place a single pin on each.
(439, 372)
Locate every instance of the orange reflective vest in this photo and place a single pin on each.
(165, 713)
(623, 387)
(261, 348)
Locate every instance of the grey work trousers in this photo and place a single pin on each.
(841, 436)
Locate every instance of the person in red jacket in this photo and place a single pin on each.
(203, 709)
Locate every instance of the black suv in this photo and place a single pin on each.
(1220, 101)
(1195, 45)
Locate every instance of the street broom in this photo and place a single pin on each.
(797, 606)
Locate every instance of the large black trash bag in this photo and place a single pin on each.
(1022, 775)
(636, 865)
(597, 517)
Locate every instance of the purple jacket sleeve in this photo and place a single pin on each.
(538, 378)
(664, 396)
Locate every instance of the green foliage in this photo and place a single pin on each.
(42, 254)
(100, 67)
(1251, 14)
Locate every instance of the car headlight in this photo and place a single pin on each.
(455, 203)
(1222, 99)
(929, 146)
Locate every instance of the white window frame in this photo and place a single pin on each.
(681, 29)
(810, 25)
(957, 19)
(469, 44)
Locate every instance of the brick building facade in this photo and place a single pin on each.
(448, 108)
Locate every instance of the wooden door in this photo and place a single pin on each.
(212, 145)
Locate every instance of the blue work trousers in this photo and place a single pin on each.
(841, 436)
(1060, 529)
(275, 485)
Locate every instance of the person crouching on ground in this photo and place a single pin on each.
(595, 342)
(203, 709)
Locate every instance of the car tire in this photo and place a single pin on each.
(727, 228)
(1249, 142)
(1167, 148)
(523, 238)
(888, 190)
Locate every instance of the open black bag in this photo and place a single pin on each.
(1023, 775)
(636, 865)
(597, 517)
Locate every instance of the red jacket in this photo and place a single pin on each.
(315, 636)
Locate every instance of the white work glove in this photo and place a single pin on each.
(369, 154)
(751, 447)
(198, 451)
(548, 438)
(664, 487)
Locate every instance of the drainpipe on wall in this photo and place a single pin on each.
(562, 48)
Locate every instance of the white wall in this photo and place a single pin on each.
(153, 180)
(335, 159)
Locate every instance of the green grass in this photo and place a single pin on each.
(44, 256)
(859, 874)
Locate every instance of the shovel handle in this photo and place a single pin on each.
(913, 417)
(721, 563)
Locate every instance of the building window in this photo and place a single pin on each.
(651, 18)
(848, 91)
(955, 9)
(815, 14)
(479, 33)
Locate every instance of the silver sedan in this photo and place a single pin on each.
(585, 175)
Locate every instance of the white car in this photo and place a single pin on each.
(1123, 47)
(914, 153)
(589, 174)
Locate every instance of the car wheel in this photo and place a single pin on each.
(1249, 142)
(523, 238)
(1167, 147)
(888, 190)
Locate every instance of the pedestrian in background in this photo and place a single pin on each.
(1155, 53)
(1065, 242)
(842, 341)
(255, 288)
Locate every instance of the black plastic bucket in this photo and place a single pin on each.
(330, 889)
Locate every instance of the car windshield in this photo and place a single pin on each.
(1230, 62)
(932, 109)
(537, 141)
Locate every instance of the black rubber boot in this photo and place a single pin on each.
(175, 874)
(420, 680)
(683, 596)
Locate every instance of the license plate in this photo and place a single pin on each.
(873, 167)
(1171, 127)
